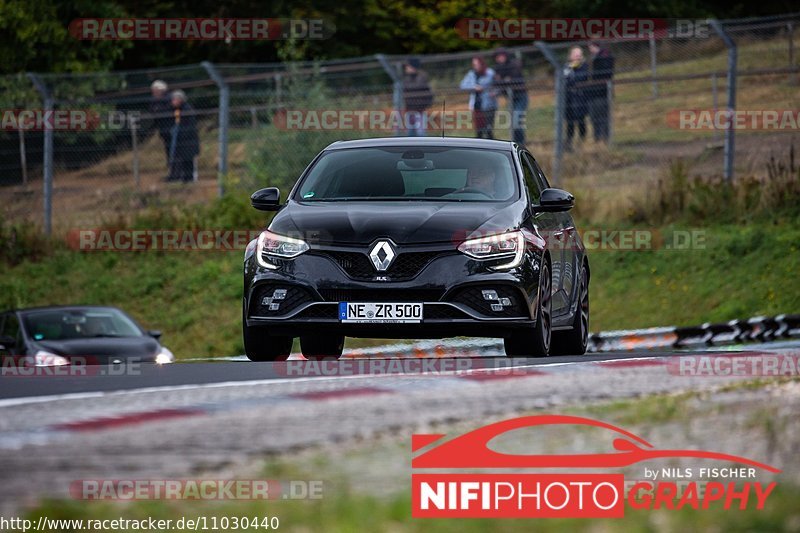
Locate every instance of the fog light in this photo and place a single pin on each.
(489, 296)
(505, 302)
(274, 307)
(497, 307)
(279, 294)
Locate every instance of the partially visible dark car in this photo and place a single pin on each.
(52, 336)
(417, 238)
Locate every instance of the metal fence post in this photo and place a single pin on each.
(397, 85)
(47, 155)
(732, 61)
(559, 109)
(790, 28)
(224, 103)
(653, 65)
(23, 157)
(610, 115)
(135, 149)
(715, 100)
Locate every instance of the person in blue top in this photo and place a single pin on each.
(479, 82)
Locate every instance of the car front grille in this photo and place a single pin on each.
(381, 295)
(267, 296)
(319, 312)
(357, 265)
(443, 312)
(508, 298)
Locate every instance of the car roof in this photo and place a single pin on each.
(60, 307)
(456, 142)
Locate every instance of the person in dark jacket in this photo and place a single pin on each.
(576, 74)
(161, 109)
(184, 142)
(417, 97)
(508, 78)
(602, 73)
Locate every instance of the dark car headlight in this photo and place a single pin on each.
(509, 245)
(277, 246)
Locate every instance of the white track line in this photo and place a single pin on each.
(11, 402)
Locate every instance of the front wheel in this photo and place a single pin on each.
(535, 341)
(259, 345)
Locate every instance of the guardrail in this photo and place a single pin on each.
(755, 329)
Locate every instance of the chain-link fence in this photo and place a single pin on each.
(604, 117)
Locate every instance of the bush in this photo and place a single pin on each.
(697, 200)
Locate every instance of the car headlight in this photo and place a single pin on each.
(278, 246)
(43, 358)
(509, 245)
(164, 356)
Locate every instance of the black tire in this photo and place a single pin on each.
(259, 345)
(322, 346)
(574, 341)
(535, 341)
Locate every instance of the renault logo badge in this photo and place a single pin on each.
(382, 255)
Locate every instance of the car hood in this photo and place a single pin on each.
(103, 348)
(402, 222)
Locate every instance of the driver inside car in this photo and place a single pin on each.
(482, 180)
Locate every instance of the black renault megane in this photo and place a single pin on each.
(417, 238)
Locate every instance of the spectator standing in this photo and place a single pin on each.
(602, 73)
(417, 97)
(509, 79)
(184, 142)
(482, 101)
(576, 74)
(161, 110)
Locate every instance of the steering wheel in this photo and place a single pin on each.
(473, 190)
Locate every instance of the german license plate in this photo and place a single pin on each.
(380, 313)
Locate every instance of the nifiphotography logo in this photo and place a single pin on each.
(501, 494)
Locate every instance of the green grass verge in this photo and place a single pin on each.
(744, 270)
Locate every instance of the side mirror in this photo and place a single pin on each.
(266, 199)
(554, 201)
(6, 342)
(156, 334)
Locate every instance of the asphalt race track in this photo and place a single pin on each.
(239, 370)
(175, 420)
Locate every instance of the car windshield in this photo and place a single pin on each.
(64, 324)
(411, 174)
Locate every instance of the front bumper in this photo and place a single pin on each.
(448, 283)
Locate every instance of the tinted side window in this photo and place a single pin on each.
(540, 174)
(531, 180)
